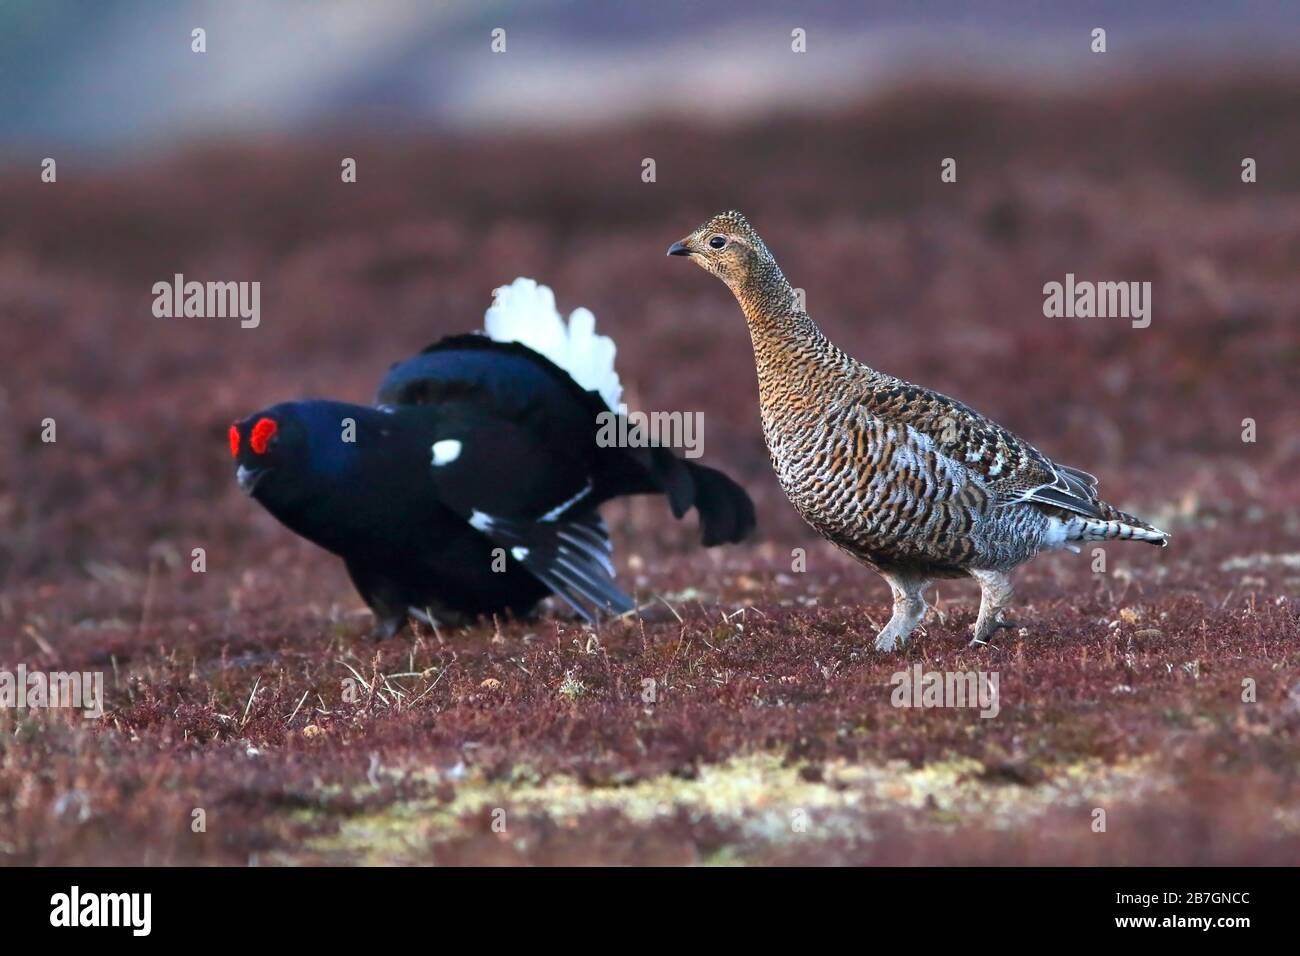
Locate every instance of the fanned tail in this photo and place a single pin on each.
(525, 312)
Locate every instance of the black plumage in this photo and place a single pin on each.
(472, 488)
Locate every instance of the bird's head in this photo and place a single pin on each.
(726, 246)
(266, 446)
(729, 247)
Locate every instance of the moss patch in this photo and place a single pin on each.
(763, 801)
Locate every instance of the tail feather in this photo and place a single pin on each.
(1113, 525)
(525, 312)
(726, 511)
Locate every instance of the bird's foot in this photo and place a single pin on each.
(893, 637)
(995, 596)
(980, 639)
(909, 611)
(887, 640)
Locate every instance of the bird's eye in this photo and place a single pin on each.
(234, 441)
(717, 242)
(261, 435)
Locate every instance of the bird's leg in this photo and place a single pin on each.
(909, 608)
(382, 597)
(995, 596)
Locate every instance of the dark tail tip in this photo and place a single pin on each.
(726, 511)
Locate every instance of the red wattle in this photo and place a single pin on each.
(262, 433)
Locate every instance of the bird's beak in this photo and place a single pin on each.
(678, 249)
(248, 478)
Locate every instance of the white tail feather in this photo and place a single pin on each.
(525, 312)
(1095, 529)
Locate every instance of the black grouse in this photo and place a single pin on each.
(473, 487)
(910, 482)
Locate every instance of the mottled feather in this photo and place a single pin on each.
(907, 480)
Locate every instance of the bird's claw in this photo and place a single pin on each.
(978, 641)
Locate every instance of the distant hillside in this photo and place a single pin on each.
(122, 74)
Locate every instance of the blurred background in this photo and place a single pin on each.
(474, 167)
(115, 75)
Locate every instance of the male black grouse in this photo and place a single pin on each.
(473, 487)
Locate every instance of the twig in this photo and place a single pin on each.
(290, 718)
(249, 705)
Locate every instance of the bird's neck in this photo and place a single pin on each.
(791, 353)
(362, 467)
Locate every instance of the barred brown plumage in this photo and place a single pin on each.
(910, 482)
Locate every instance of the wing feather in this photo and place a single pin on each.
(1014, 470)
